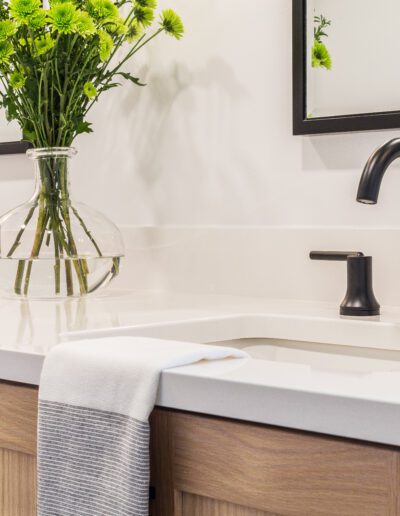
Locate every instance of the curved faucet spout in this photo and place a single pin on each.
(371, 179)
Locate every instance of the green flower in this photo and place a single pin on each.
(89, 90)
(44, 44)
(20, 10)
(172, 24)
(17, 80)
(144, 15)
(114, 25)
(320, 56)
(6, 51)
(7, 29)
(54, 2)
(37, 20)
(63, 17)
(105, 45)
(147, 3)
(85, 25)
(134, 31)
(101, 9)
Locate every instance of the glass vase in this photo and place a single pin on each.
(52, 246)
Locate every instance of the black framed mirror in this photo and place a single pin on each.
(17, 147)
(11, 136)
(344, 75)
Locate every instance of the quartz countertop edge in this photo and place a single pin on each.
(365, 407)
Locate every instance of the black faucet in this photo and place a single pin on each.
(374, 170)
(360, 299)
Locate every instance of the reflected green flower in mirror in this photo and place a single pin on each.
(320, 56)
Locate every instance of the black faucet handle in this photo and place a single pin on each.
(334, 256)
(360, 299)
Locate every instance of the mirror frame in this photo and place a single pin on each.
(332, 124)
(18, 147)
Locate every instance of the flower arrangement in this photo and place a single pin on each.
(320, 55)
(54, 65)
(56, 62)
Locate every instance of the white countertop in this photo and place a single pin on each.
(350, 396)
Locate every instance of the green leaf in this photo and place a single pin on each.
(129, 77)
(83, 127)
(28, 135)
(110, 86)
(11, 109)
(28, 131)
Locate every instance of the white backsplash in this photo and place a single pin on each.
(260, 261)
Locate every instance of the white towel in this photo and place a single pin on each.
(95, 399)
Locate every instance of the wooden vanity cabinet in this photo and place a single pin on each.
(18, 417)
(207, 466)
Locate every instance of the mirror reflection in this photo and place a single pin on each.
(9, 131)
(352, 49)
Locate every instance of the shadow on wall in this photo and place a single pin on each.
(152, 109)
(348, 151)
(188, 139)
(155, 133)
(182, 131)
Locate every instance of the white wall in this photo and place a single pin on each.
(208, 142)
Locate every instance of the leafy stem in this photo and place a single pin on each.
(319, 31)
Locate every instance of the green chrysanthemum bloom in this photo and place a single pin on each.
(20, 10)
(105, 45)
(144, 15)
(101, 9)
(89, 90)
(44, 44)
(85, 25)
(54, 2)
(114, 25)
(63, 17)
(7, 29)
(147, 3)
(134, 31)
(17, 80)
(37, 20)
(172, 24)
(320, 56)
(6, 51)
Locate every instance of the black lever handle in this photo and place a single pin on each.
(360, 298)
(334, 256)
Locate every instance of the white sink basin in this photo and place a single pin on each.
(341, 346)
(324, 357)
(300, 331)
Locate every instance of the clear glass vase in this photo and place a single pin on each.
(52, 246)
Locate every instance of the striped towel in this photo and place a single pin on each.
(95, 399)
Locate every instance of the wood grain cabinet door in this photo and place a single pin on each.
(18, 420)
(216, 467)
(206, 466)
(194, 505)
